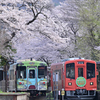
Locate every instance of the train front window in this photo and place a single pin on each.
(80, 72)
(21, 72)
(42, 71)
(31, 73)
(90, 70)
(70, 70)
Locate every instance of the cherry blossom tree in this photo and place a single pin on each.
(41, 31)
(6, 35)
(50, 41)
(17, 15)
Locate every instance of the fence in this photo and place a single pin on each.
(10, 85)
(2, 85)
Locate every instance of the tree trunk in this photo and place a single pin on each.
(5, 70)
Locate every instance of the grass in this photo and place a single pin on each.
(49, 96)
(98, 90)
(1, 92)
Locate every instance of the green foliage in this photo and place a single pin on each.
(9, 46)
(3, 61)
(90, 25)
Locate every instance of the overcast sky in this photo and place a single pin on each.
(57, 1)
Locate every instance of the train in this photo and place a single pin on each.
(98, 77)
(28, 76)
(77, 77)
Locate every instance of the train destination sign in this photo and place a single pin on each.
(31, 63)
(81, 81)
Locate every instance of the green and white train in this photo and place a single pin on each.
(28, 75)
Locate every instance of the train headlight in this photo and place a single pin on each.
(91, 83)
(69, 83)
(44, 83)
(21, 83)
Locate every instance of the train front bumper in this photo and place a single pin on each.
(80, 95)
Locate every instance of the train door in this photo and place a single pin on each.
(21, 78)
(81, 74)
(55, 84)
(31, 78)
(42, 78)
(55, 80)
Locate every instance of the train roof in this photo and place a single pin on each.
(70, 59)
(28, 62)
(98, 62)
(34, 62)
(1, 68)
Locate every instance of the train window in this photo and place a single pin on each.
(80, 72)
(11, 74)
(31, 73)
(59, 72)
(70, 70)
(90, 70)
(21, 72)
(1, 75)
(42, 71)
(80, 62)
(98, 66)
